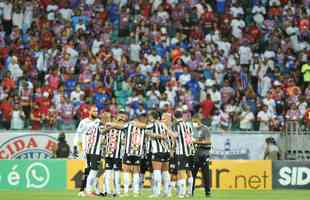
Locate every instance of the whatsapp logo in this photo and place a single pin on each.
(37, 175)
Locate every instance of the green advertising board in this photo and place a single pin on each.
(33, 174)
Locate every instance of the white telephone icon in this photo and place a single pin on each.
(34, 175)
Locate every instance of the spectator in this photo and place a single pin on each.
(246, 119)
(25, 93)
(66, 116)
(207, 107)
(18, 118)
(36, 118)
(15, 69)
(63, 149)
(6, 108)
(77, 95)
(293, 117)
(272, 151)
(8, 83)
(51, 118)
(264, 118)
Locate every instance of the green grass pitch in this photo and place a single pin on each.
(216, 195)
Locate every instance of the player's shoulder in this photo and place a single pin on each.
(85, 120)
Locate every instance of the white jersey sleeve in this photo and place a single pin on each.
(81, 132)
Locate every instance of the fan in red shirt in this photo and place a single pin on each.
(146, 8)
(207, 19)
(47, 88)
(103, 16)
(224, 24)
(8, 83)
(167, 6)
(196, 33)
(6, 108)
(47, 40)
(44, 104)
(45, 3)
(275, 11)
(53, 79)
(36, 117)
(207, 107)
(304, 25)
(254, 33)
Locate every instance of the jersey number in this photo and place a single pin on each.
(91, 133)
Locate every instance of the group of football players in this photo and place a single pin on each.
(160, 143)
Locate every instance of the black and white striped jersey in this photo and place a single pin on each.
(113, 143)
(134, 145)
(170, 142)
(147, 144)
(94, 138)
(184, 144)
(158, 145)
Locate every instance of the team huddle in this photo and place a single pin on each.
(159, 143)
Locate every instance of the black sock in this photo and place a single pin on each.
(84, 179)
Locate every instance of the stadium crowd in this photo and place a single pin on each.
(243, 65)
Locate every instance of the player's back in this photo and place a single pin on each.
(83, 130)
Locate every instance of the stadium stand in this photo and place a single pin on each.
(242, 64)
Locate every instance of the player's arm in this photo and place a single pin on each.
(117, 125)
(77, 143)
(139, 124)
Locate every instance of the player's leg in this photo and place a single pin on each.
(108, 175)
(156, 165)
(165, 174)
(142, 173)
(173, 174)
(85, 175)
(98, 193)
(126, 171)
(189, 169)
(181, 176)
(145, 165)
(91, 179)
(116, 169)
(206, 175)
(189, 182)
(136, 175)
(84, 179)
(197, 165)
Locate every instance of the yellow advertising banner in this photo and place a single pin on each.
(226, 175)
(75, 169)
(241, 174)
